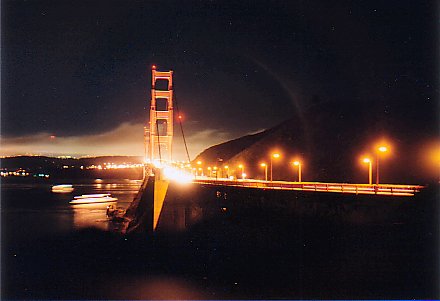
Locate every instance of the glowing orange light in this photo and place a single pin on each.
(370, 170)
(177, 175)
(298, 163)
(265, 170)
(52, 137)
(153, 67)
(383, 149)
(276, 155)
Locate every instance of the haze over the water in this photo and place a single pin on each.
(125, 140)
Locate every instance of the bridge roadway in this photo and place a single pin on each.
(381, 189)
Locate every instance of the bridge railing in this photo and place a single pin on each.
(381, 189)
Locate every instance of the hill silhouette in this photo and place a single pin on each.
(330, 141)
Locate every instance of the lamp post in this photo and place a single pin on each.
(209, 169)
(215, 171)
(227, 173)
(381, 149)
(242, 170)
(265, 170)
(297, 163)
(276, 155)
(370, 170)
(199, 163)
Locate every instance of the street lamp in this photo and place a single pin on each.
(199, 163)
(380, 149)
(265, 170)
(370, 170)
(242, 170)
(209, 168)
(227, 169)
(297, 163)
(275, 155)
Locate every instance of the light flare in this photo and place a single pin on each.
(177, 175)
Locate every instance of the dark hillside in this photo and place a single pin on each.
(330, 141)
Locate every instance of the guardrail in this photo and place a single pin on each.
(381, 189)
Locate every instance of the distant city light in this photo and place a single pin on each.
(114, 166)
(17, 173)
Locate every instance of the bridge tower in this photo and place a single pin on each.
(161, 116)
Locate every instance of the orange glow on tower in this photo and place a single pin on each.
(161, 119)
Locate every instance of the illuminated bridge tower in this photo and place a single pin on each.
(161, 116)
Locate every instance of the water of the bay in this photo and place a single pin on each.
(54, 250)
(32, 210)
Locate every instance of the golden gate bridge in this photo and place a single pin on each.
(161, 172)
(159, 140)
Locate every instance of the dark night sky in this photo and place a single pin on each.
(80, 70)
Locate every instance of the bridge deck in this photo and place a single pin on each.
(381, 189)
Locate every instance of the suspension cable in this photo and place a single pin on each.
(181, 126)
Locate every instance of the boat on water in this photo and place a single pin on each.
(115, 214)
(62, 188)
(93, 198)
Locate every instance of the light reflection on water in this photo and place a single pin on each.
(94, 215)
(32, 210)
(91, 216)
